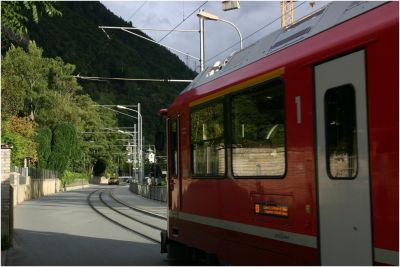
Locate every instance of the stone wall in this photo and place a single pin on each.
(258, 161)
(7, 211)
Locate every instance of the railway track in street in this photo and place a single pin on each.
(138, 221)
(154, 212)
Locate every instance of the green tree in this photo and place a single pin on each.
(19, 133)
(45, 93)
(38, 87)
(15, 15)
(63, 148)
(24, 79)
(42, 86)
(45, 89)
(122, 56)
(43, 141)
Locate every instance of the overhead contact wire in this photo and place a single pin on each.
(194, 11)
(247, 37)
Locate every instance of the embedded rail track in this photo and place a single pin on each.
(138, 221)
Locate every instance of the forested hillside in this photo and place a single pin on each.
(52, 118)
(76, 38)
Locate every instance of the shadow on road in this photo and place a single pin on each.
(68, 198)
(47, 248)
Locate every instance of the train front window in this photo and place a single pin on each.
(258, 132)
(341, 132)
(207, 140)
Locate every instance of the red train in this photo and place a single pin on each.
(287, 153)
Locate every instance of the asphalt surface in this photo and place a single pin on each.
(153, 206)
(62, 229)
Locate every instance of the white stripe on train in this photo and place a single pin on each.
(381, 255)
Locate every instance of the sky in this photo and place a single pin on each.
(255, 19)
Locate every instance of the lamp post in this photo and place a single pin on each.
(134, 152)
(208, 16)
(201, 27)
(140, 129)
(140, 138)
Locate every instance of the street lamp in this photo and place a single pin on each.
(140, 137)
(140, 129)
(208, 16)
(135, 150)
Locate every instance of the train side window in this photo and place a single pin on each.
(174, 147)
(341, 132)
(207, 140)
(258, 131)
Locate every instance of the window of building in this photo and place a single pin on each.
(341, 132)
(258, 131)
(207, 140)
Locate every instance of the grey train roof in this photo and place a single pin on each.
(318, 21)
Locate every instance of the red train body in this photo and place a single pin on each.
(315, 205)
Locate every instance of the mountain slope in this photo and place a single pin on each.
(76, 38)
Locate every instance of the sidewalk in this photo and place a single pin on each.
(62, 230)
(130, 198)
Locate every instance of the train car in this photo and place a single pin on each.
(287, 153)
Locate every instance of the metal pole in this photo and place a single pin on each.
(237, 29)
(135, 152)
(202, 56)
(84, 159)
(141, 143)
(134, 163)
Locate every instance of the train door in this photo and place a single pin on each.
(345, 234)
(174, 166)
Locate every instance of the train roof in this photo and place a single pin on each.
(327, 17)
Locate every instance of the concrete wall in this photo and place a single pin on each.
(26, 188)
(98, 180)
(5, 163)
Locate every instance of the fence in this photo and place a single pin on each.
(36, 173)
(150, 191)
(42, 173)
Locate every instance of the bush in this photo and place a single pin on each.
(18, 133)
(69, 177)
(17, 155)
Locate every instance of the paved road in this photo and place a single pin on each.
(62, 229)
